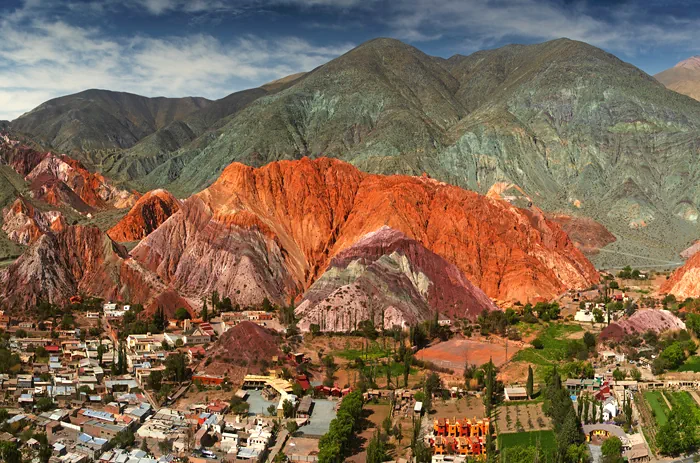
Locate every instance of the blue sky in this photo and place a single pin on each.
(214, 47)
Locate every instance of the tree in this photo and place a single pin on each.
(101, 351)
(376, 449)
(155, 380)
(589, 340)
(288, 408)
(530, 382)
(182, 314)
(45, 404)
(598, 316)
(619, 375)
(10, 453)
(680, 433)
(45, 450)
(292, 427)
(537, 343)
(315, 329)
(407, 362)
(612, 450)
(205, 312)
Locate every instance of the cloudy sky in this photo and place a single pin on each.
(212, 48)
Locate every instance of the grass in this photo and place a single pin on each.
(658, 406)
(373, 352)
(527, 439)
(554, 339)
(683, 399)
(691, 364)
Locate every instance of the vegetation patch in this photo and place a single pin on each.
(554, 342)
(544, 439)
(658, 406)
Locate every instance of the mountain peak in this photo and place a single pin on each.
(691, 63)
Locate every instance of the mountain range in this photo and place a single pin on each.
(558, 134)
(583, 133)
(683, 78)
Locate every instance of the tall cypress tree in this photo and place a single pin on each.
(530, 382)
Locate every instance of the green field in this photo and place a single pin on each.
(683, 399)
(373, 352)
(554, 339)
(526, 439)
(691, 364)
(658, 406)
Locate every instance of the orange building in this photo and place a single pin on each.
(460, 436)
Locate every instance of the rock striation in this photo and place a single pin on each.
(24, 224)
(273, 231)
(641, 322)
(685, 281)
(149, 212)
(78, 259)
(392, 280)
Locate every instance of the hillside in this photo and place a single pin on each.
(566, 121)
(683, 78)
(100, 119)
(272, 232)
(581, 132)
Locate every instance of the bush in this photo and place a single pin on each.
(537, 343)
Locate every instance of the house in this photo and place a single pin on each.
(207, 379)
(610, 409)
(195, 352)
(515, 393)
(305, 407)
(584, 316)
(198, 336)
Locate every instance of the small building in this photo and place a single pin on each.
(515, 393)
(418, 409)
(305, 407)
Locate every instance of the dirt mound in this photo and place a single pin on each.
(246, 344)
(170, 301)
(641, 322)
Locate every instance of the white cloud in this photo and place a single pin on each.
(41, 59)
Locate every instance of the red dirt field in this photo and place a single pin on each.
(456, 352)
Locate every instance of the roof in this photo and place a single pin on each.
(611, 429)
(515, 391)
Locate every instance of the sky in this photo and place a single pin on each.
(212, 48)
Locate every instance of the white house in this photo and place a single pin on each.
(584, 316)
(610, 409)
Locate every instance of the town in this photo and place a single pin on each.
(109, 382)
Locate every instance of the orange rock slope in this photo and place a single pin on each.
(285, 221)
(685, 281)
(148, 213)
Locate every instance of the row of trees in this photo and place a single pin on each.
(335, 445)
(570, 447)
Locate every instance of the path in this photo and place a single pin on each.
(695, 396)
(641, 257)
(666, 400)
(279, 444)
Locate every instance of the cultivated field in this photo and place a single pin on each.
(522, 417)
(544, 439)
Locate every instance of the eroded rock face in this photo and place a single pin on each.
(587, 234)
(24, 224)
(641, 322)
(149, 212)
(685, 281)
(392, 280)
(61, 181)
(74, 260)
(272, 232)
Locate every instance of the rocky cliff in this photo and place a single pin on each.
(393, 281)
(685, 281)
(24, 224)
(272, 232)
(149, 212)
(75, 260)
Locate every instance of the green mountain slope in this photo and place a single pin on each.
(102, 119)
(581, 131)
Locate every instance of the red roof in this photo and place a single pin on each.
(51, 348)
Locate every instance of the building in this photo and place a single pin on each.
(305, 407)
(515, 393)
(103, 429)
(209, 380)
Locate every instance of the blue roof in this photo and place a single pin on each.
(15, 419)
(96, 414)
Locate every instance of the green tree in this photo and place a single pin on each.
(182, 314)
(680, 433)
(155, 380)
(376, 449)
(612, 450)
(530, 382)
(292, 427)
(9, 452)
(619, 375)
(205, 312)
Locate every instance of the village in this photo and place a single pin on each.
(248, 386)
